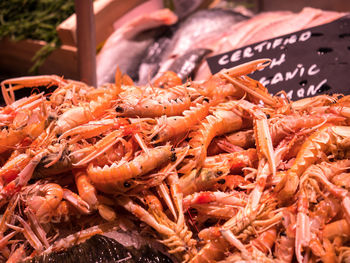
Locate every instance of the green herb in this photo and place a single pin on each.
(34, 19)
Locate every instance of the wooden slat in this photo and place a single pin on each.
(106, 13)
(86, 41)
(15, 59)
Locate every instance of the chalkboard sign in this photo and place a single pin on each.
(305, 63)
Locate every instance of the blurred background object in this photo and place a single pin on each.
(57, 54)
(86, 36)
(298, 5)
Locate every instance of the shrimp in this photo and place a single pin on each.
(85, 189)
(88, 111)
(119, 177)
(81, 236)
(210, 205)
(329, 256)
(217, 88)
(18, 255)
(93, 128)
(243, 139)
(36, 81)
(212, 251)
(170, 127)
(10, 170)
(265, 240)
(233, 199)
(323, 172)
(239, 222)
(250, 86)
(246, 216)
(234, 162)
(76, 201)
(262, 134)
(26, 124)
(44, 200)
(220, 122)
(61, 213)
(251, 254)
(88, 193)
(72, 93)
(342, 180)
(284, 248)
(308, 104)
(282, 127)
(325, 211)
(178, 240)
(170, 102)
(325, 140)
(26, 104)
(31, 237)
(7, 218)
(56, 160)
(167, 80)
(200, 180)
(302, 238)
(21, 179)
(100, 147)
(247, 68)
(337, 228)
(253, 207)
(230, 182)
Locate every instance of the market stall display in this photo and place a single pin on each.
(164, 161)
(182, 48)
(130, 154)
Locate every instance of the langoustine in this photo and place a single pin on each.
(116, 152)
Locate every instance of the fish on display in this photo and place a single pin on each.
(195, 33)
(126, 47)
(186, 64)
(153, 55)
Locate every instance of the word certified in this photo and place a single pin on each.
(249, 52)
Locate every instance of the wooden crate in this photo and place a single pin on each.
(16, 57)
(106, 13)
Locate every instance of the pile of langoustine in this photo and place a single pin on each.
(216, 171)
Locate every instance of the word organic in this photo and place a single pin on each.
(303, 64)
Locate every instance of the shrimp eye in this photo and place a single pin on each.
(155, 137)
(119, 109)
(127, 184)
(221, 181)
(206, 99)
(173, 157)
(268, 116)
(219, 172)
(51, 118)
(172, 149)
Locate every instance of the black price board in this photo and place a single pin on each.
(305, 63)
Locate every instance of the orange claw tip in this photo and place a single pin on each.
(247, 68)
